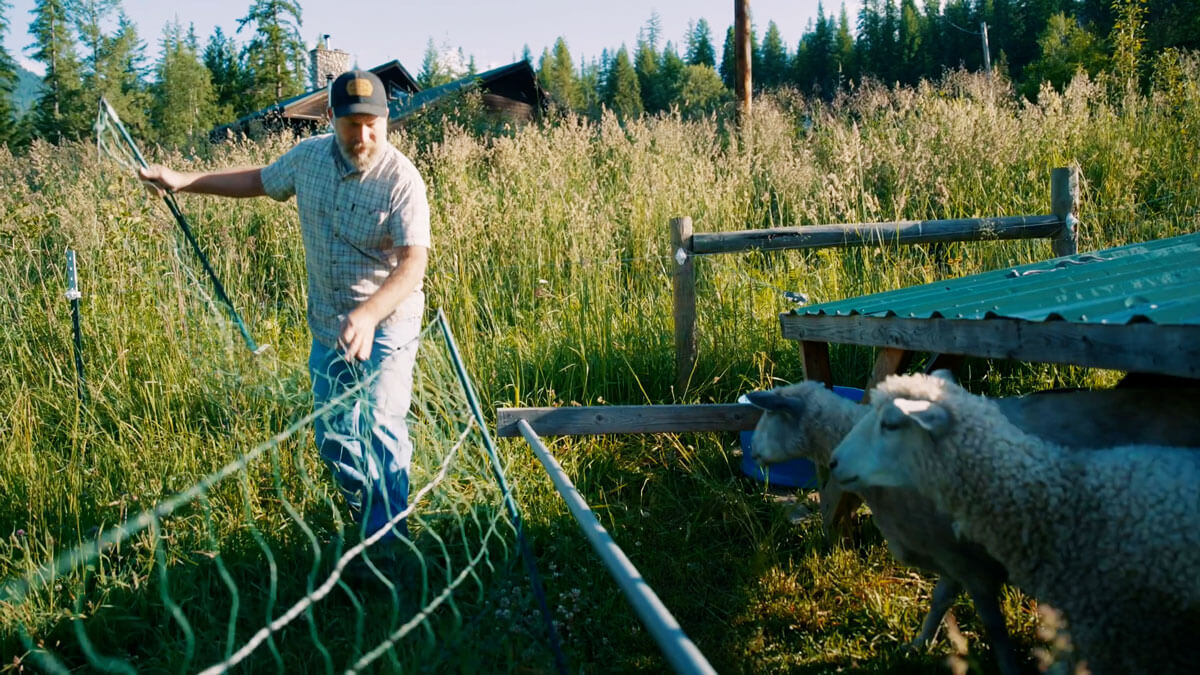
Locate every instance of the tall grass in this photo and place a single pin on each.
(552, 261)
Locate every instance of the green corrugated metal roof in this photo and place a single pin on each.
(1155, 281)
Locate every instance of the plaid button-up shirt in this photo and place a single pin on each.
(350, 220)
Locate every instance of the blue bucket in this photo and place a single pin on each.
(794, 473)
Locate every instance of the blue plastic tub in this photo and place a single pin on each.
(794, 473)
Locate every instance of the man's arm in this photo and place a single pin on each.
(245, 182)
(358, 328)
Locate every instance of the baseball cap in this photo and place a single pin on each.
(357, 92)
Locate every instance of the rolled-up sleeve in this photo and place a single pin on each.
(279, 177)
(409, 219)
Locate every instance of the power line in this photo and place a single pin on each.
(968, 32)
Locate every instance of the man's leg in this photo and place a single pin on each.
(385, 410)
(335, 430)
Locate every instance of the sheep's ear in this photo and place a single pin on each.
(774, 402)
(928, 415)
(944, 375)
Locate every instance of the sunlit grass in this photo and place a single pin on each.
(552, 262)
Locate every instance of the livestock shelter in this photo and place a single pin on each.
(1133, 308)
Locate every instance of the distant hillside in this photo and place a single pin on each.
(26, 92)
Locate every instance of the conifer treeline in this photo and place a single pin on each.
(175, 100)
(895, 41)
(90, 48)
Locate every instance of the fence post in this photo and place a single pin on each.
(73, 296)
(685, 301)
(1064, 202)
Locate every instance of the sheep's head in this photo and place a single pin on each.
(802, 420)
(878, 451)
(781, 433)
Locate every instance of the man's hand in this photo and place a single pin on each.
(358, 334)
(159, 179)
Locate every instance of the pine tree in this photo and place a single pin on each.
(124, 75)
(59, 113)
(434, 73)
(932, 38)
(622, 94)
(184, 105)
(700, 51)
(230, 80)
(590, 88)
(8, 77)
(774, 59)
(843, 44)
(669, 81)
(652, 30)
(960, 45)
(824, 54)
(645, 64)
(88, 15)
(113, 65)
(890, 31)
(728, 69)
(557, 75)
(275, 54)
(911, 66)
(815, 67)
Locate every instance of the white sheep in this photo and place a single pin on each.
(807, 420)
(1111, 537)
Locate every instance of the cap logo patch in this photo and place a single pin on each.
(359, 87)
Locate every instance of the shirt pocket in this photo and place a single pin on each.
(365, 229)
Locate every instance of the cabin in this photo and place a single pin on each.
(509, 93)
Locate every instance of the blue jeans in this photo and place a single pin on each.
(364, 439)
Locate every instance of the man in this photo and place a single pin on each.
(364, 219)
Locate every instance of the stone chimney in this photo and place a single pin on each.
(326, 63)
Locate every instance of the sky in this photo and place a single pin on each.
(495, 33)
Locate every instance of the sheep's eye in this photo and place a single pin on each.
(890, 425)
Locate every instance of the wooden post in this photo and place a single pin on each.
(987, 53)
(1064, 203)
(742, 47)
(816, 362)
(951, 362)
(685, 302)
(889, 362)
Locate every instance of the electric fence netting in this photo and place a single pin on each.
(248, 567)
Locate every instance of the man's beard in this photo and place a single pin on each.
(361, 155)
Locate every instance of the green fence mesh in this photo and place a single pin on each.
(248, 569)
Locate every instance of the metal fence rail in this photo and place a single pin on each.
(679, 650)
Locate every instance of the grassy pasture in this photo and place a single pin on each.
(552, 263)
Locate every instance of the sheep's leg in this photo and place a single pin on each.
(836, 508)
(944, 594)
(987, 605)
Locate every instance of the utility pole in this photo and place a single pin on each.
(742, 80)
(987, 54)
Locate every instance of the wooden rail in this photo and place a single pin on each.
(1059, 227)
(1115, 347)
(879, 234)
